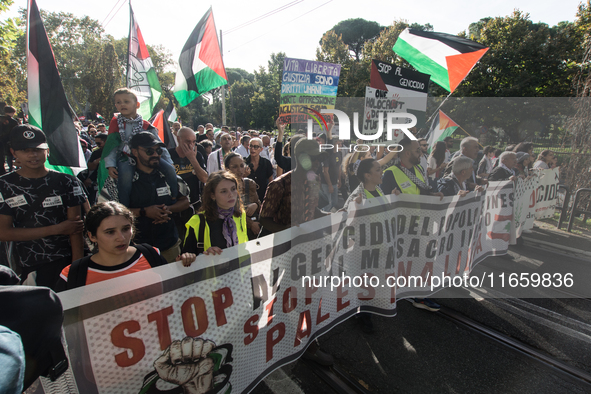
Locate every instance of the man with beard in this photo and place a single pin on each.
(407, 176)
(151, 200)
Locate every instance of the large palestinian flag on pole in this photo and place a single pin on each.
(48, 106)
(201, 67)
(141, 76)
(447, 58)
(442, 127)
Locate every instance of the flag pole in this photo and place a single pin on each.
(224, 86)
(435, 112)
(469, 135)
(128, 44)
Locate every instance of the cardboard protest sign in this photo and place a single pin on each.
(305, 85)
(394, 89)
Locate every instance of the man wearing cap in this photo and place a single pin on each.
(151, 200)
(40, 210)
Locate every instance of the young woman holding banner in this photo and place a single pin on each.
(109, 226)
(221, 221)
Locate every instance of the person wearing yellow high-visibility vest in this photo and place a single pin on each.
(369, 173)
(224, 216)
(408, 177)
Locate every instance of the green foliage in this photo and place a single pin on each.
(9, 32)
(265, 101)
(238, 105)
(525, 59)
(103, 78)
(356, 32)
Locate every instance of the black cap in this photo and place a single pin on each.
(27, 136)
(321, 136)
(145, 139)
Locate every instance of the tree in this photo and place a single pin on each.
(238, 102)
(354, 73)
(74, 41)
(265, 101)
(9, 91)
(103, 78)
(356, 32)
(525, 59)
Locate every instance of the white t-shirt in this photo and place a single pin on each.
(432, 164)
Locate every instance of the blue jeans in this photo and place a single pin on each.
(332, 198)
(125, 179)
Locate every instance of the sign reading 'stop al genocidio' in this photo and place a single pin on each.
(394, 89)
(307, 84)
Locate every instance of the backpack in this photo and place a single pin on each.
(79, 268)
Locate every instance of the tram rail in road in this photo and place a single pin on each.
(571, 373)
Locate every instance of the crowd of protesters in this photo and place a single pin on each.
(215, 189)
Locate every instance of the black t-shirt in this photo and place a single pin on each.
(96, 154)
(40, 202)
(184, 169)
(333, 162)
(261, 175)
(147, 190)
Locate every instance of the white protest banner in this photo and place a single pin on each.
(547, 193)
(535, 198)
(227, 321)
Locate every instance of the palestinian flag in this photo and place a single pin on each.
(442, 127)
(448, 59)
(48, 106)
(201, 67)
(161, 123)
(141, 76)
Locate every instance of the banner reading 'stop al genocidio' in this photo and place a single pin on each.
(227, 321)
(307, 85)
